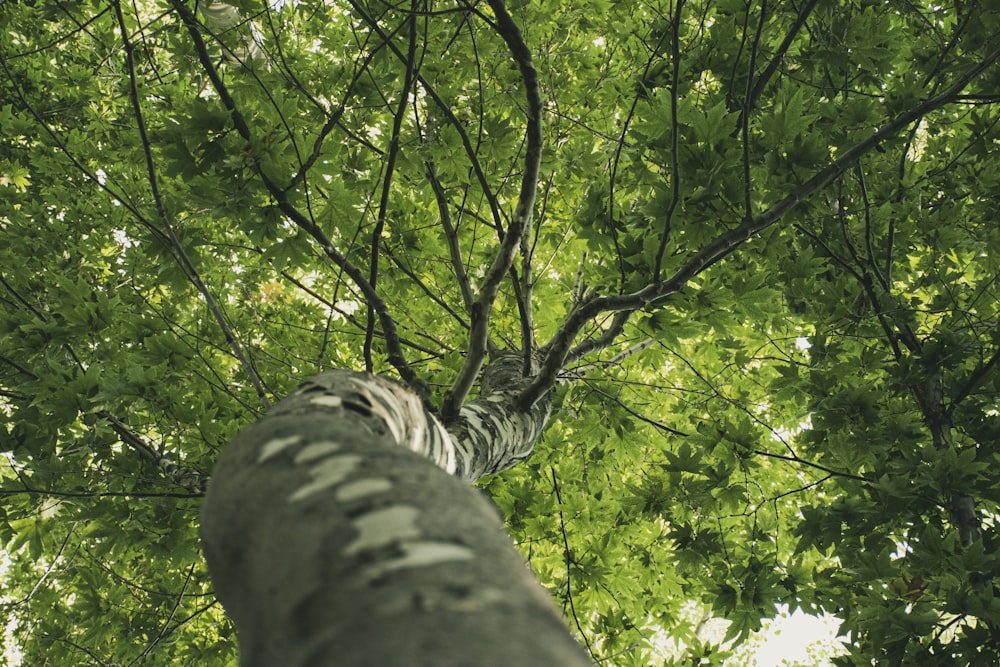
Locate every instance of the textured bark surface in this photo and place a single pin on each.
(492, 433)
(331, 541)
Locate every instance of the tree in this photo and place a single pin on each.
(712, 285)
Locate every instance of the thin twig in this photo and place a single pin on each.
(569, 565)
(817, 466)
(390, 168)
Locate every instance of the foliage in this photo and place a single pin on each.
(800, 409)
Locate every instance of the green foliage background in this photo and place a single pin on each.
(792, 427)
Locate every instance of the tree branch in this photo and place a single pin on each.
(524, 301)
(605, 340)
(519, 222)
(192, 480)
(451, 237)
(675, 163)
(975, 380)
(390, 167)
(635, 413)
(714, 251)
(744, 119)
(775, 62)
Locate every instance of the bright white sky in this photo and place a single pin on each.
(787, 641)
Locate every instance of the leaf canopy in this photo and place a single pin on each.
(765, 238)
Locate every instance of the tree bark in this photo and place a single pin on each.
(335, 536)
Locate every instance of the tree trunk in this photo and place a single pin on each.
(334, 539)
